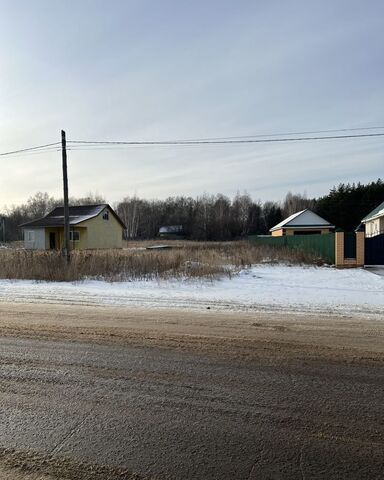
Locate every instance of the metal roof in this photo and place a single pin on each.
(376, 212)
(309, 220)
(77, 214)
(171, 229)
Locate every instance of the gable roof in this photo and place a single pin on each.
(77, 214)
(303, 219)
(376, 212)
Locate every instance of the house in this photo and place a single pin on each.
(171, 231)
(91, 227)
(304, 222)
(374, 221)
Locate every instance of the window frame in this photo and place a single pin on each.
(72, 236)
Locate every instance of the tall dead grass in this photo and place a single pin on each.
(200, 260)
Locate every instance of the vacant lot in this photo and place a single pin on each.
(137, 261)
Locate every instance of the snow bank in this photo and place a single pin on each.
(262, 287)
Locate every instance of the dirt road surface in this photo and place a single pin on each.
(105, 393)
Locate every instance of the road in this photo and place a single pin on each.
(103, 394)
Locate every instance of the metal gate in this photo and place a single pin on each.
(374, 250)
(349, 245)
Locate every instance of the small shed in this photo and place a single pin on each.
(304, 222)
(91, 227)
(171, 231)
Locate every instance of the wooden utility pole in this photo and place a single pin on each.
(3, 228)
(67, 247)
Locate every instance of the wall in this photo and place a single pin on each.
(38, 241)
(80, 245)
(315, 231)
(374, 227)
(103, 233)
(292, 231)
(340, 260)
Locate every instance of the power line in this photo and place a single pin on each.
(224, 142)
(35, 152)
(29, 149)
(85, 144)
(308, 132)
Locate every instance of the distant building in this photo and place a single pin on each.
(304, 222)
(172, 231)
(374, 221)
(91, 227)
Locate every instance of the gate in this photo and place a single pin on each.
(374, 250)
(349, 245)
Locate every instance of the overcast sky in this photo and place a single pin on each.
(154, 70)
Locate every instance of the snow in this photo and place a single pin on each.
(262, 287)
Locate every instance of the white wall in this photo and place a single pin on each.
(34, 238)
(374, 227)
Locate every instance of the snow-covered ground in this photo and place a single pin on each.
(262, 287)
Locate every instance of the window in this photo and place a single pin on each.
(74, 235)
(30, 235)
(106, 215)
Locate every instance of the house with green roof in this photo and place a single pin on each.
(374, 221)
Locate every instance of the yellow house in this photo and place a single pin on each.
(304, 222)
(91, 227)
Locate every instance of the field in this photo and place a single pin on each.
(136, 261)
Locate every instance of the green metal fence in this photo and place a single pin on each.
(322, 245)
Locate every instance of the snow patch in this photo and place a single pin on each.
(262, 287)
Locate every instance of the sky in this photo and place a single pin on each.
(175, 69)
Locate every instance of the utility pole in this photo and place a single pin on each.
(3, 228)
(67, 247)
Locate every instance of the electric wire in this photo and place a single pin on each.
(234, 140)
(29, 149)
(35, 152)
(308, 132)
(223, 142)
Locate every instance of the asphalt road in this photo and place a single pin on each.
(72, 409)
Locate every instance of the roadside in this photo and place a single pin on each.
(378, 269)
(229, 334)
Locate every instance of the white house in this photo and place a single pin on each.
(374, 221)
(304, 222)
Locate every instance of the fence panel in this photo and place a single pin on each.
(374, 250)
(322, 245)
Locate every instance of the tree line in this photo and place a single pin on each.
(214, 217)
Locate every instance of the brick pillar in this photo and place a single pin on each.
(339, 249)
(360, 239)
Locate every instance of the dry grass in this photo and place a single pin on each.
(184, 260)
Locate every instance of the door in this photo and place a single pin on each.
(350, 245)
(52, 240)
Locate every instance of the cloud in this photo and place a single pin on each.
(145, 70)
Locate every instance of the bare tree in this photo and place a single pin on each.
(129, 212)
(293, 203)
